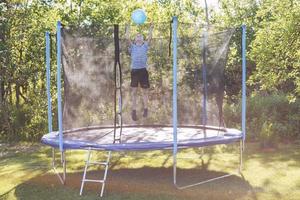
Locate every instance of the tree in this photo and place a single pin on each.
(276, 48)
(233, 14)
(22, 66)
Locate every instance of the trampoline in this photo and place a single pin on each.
(142, 138)
(187, 65)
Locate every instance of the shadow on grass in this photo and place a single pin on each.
(142, 183)
(288, 154)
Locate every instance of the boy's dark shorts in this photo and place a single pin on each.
(140, 76)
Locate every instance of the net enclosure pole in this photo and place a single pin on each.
(118, 83)
(174, 38)
(48, 81)
(204, 77)
(204, 70)
(116, 43)
(59, 104)
(244, 81)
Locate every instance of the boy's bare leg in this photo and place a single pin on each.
(145, 101)
(133, 100)
(133, 97)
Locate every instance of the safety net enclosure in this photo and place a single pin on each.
(97, 82)
(186, 65)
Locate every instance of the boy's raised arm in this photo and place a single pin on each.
(128, 35)
(150, 33)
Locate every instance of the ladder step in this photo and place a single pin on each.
(98, 163)
(102, 181)
(93, 180)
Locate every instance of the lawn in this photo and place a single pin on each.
(25, 173)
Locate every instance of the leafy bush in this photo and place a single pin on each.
(269, 118)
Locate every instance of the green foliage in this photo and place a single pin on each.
(22, 64)
(273, 64)
(268, 136)
(234, 13)
(270, 118)
(276, 48)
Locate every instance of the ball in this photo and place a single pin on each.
(138, 16)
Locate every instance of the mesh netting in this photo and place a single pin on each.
(88, 63)
(92, 76)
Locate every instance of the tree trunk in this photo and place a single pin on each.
(1, 83)
(17, 88)
(3, 57)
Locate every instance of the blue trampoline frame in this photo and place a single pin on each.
(174, 112)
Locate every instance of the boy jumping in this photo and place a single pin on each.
(138, 50)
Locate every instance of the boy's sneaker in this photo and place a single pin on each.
(133, 115)
(145, 114)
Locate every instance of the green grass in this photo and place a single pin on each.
(25, 173)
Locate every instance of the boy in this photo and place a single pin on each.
(139, 75)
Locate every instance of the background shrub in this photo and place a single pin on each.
(269, 118)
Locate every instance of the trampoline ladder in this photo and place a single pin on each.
(62, 177)
(87, 164)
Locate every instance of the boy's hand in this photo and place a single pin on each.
(127, 30)
(151, 26)
(150, 32)
(127, 34)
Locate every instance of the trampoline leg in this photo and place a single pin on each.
(239, 171)
(53, 157)
(241, 156)
(202, 151)
(87, 164)
(63, 162)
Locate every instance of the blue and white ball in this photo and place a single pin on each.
(138, 16)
